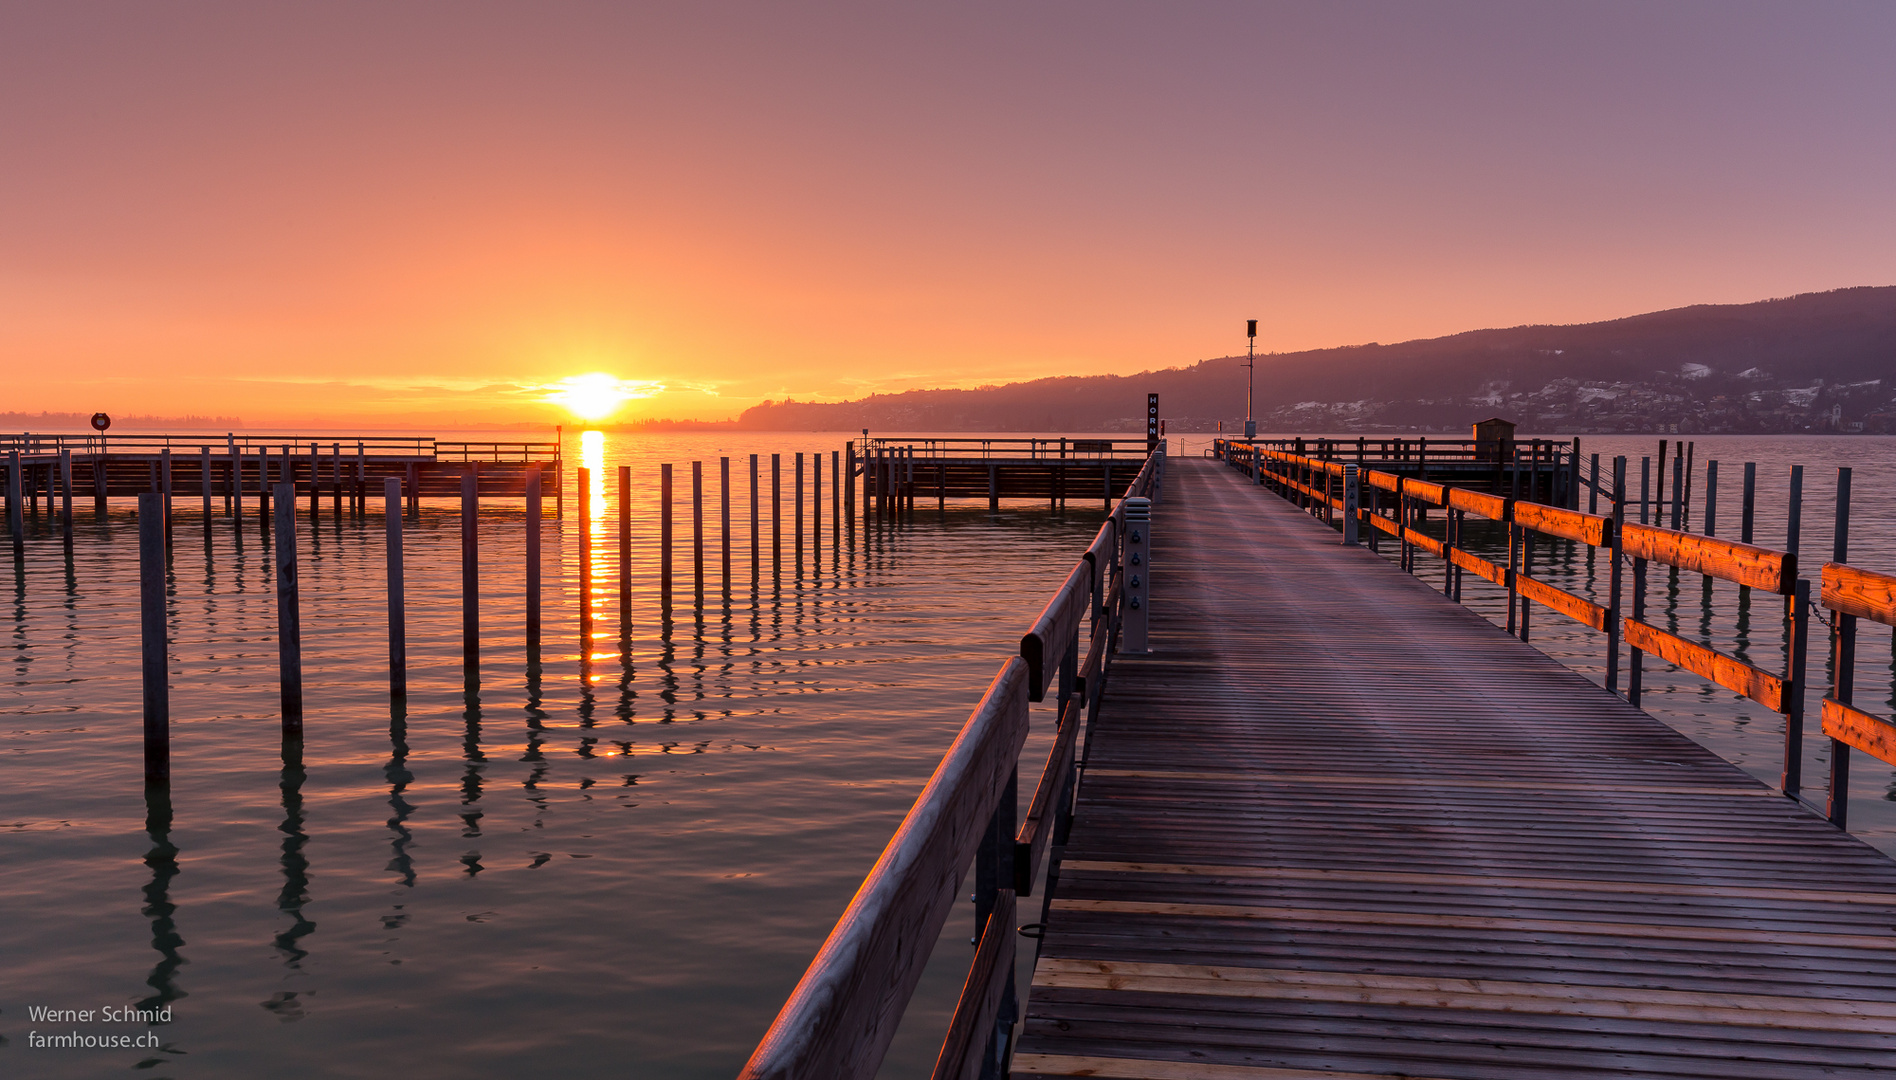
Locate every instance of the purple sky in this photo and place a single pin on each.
(434, 210)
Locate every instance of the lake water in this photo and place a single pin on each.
(618, 864)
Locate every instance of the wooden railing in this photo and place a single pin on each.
(398, 446)
(1396, 505)
(1850, 594)
(1012, 449)
(426, 448)
(838, 1021)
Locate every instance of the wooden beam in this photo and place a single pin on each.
(980, 1002)
(1847, 724)
(1481, 567)
(1031, 842)
(1492, 507)
(1566, 524)
(1863, 593)
(1729, 672)
(1574, 607)
(1728, 560)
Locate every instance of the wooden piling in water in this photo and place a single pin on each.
(776, 516)
(397, 601)
(164, 485)
(665, 538)
(152, 639)
(797, 518)
(724, 532)
(534, 527)
(816, 513)
(335, 481)
(847, 486)
(65, 492)
(582, 490)
(697, 533)
(16, 508)
(756, 557)
(204, 483)
(470, 575)
(836, 500)
(1749, 504)
(289, 614)
(625, 552)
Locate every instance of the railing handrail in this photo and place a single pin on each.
(838, 1021)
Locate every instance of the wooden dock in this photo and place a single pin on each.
(1334, 826)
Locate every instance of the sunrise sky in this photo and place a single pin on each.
(432, 213)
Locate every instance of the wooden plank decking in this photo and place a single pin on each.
(1335, 826)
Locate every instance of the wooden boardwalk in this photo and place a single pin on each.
(1335, 826)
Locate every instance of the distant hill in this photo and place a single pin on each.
(1819, 361)
(64, 421)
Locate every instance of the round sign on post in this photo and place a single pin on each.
(100, 421)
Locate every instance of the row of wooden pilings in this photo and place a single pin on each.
(155, 544)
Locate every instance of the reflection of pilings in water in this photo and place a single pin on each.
(162, 859)
(667, 670)
(295, 892)
(398, 776)
(471, 778)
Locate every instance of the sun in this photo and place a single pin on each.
(596, 394)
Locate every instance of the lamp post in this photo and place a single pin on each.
(1250, 375)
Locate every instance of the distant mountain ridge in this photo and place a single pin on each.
(1818, 361)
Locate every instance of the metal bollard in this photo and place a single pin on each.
(1136, 567)
(1351, 494)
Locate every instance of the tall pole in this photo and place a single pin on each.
(1250, 376)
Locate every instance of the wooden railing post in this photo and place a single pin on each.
(1637, 657)
(1794, 693)
(1842, 661)
(1351, 494)
(1613, 602)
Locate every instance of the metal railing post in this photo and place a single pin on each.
(1137, 569)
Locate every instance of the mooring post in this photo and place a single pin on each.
(1350, 496)
(1711, 497)
(204, 483)
(665, 538)
(335, 481)
(470, 574)
(1136, 565)
(65, 491)
(1842, 665)
(756, 556)
(848, 490)
(797, 518)
(535, 498)
(625, 552)
(816, 514)
(397, 606)
(836, 500)
(776, 516)
(724, 520)
(233, 478)
(151, 611)
(164, 485)
(697, 533)
(16, 507)
(263, 494)
(289, 615)
(582, 490)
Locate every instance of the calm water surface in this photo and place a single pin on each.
(615, 866)
(619, 862)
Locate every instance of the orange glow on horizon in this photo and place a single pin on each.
(596, 395)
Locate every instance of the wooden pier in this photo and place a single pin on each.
(209, 466)
(1333, 825)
